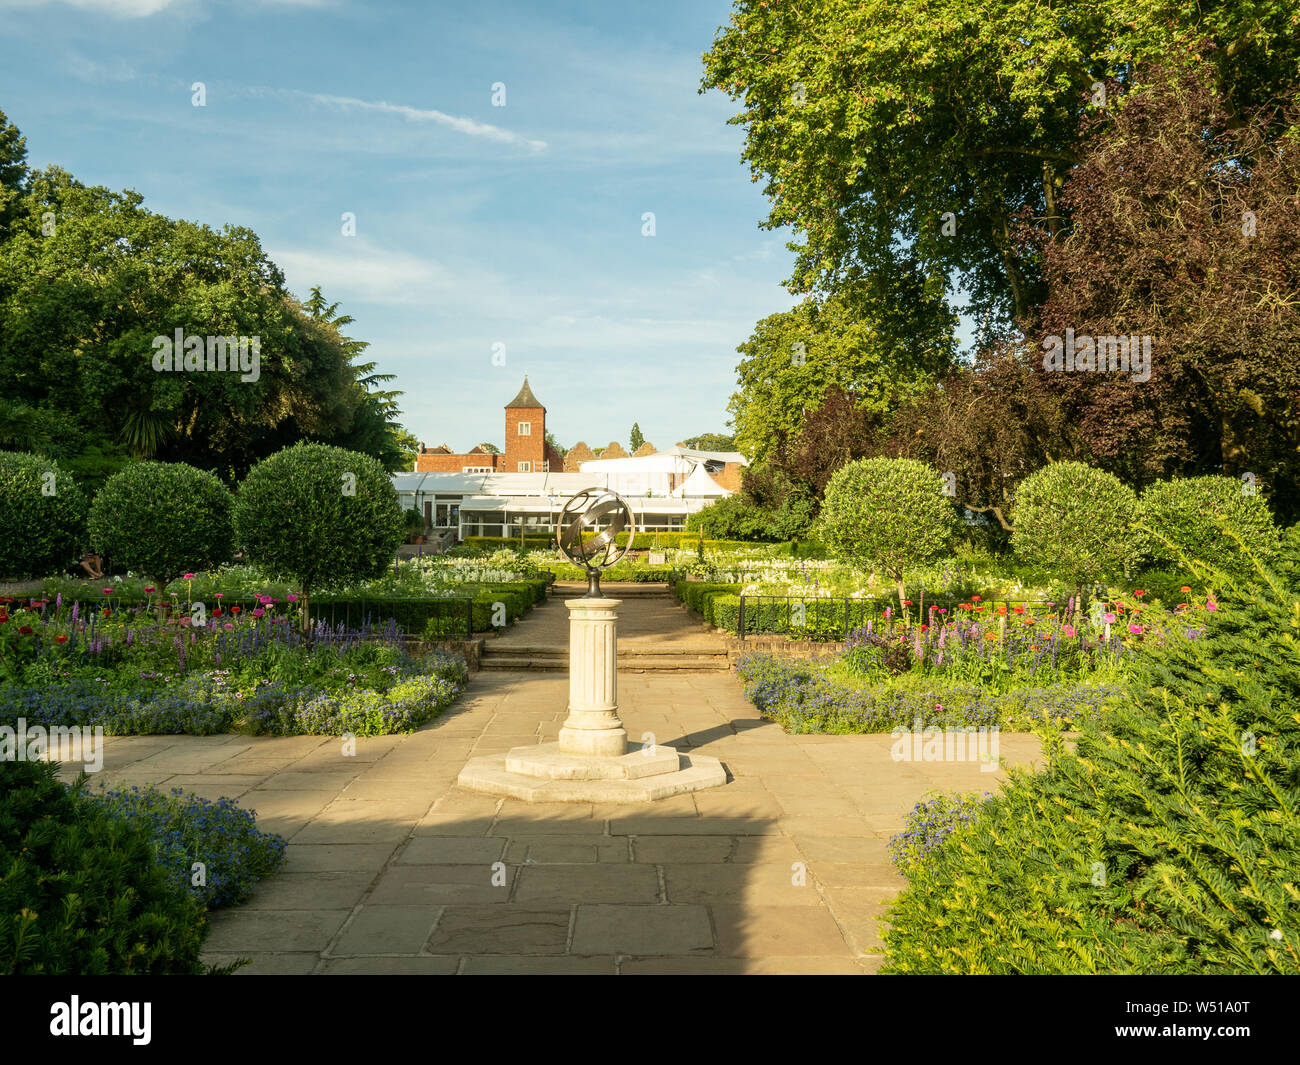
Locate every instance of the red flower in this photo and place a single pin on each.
(60, 638)
(24, 630)
(235, 609)
(1185, 589)
(1002, 610)
(974, 598)
(1018, 609)
(107, 612)
(1139, 593)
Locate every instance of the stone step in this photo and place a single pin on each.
(630, 660)
(613, 589)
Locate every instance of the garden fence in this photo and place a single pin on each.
(765, 614)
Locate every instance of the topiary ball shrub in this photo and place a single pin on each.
(887, 514)
(213, 850)
(42, 517)
(1200, 516)
(81, 892)
(162, 519)
(1077, 522)
(322, 515)
(1166, 843)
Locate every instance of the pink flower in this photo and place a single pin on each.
(1135, 629)
(1068, 630)
(293, 598)
(221, 595)
(1211, 605)
(258, 612)
(149, 589)
(189, 576)
(1109, 619)
(108, 591)
(227, 625)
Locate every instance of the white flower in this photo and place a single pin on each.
(1275, 934)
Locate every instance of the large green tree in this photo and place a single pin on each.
(900, 138)
(89, 279)
(848, 341)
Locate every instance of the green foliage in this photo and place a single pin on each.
(39, 532)
(1077, 521)
(162, 519)
(635, 439)
(319, 514)
(710, 442)
(929, 823)
(732, 518)
(702, 596)
(81, 892)
(1200, 517)
(1167, 842)
(859, 120)
(888, 514)
(794, 357)
(89, 278)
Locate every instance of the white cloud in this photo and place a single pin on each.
(142, 8)
(118, 8)
(460, 125)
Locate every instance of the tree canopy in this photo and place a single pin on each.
(90, 279)
(899, 138)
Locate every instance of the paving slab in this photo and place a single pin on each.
(513, 929)
(392, 868)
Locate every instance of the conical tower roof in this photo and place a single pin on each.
(525, 398)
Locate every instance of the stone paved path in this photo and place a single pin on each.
(393, 869)
(653, 620)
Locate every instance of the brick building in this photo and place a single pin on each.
(526, 449)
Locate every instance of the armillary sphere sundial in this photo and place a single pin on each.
(589, 527)
(592, 760)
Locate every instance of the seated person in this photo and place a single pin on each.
(91, 565)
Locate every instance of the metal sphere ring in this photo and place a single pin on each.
(598, 511)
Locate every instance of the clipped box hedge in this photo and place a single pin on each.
(701, 596)
(427, 615)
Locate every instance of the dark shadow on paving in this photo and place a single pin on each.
(481, 885)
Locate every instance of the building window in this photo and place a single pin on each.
(525, 467)
(525, 428)
(476, 469)
(546, 465)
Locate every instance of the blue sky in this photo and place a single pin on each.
(475, 224)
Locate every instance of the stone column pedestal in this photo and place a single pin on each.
(592, 762)
(593, 726)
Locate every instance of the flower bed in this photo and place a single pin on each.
(803, 698)
(130, 671)
(212, 850)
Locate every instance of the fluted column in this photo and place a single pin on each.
(593, 726)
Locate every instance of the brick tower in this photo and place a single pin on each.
(525, 450)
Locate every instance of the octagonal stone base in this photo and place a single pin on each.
(551, 761)
(542, 773)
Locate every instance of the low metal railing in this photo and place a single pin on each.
(764, 614)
